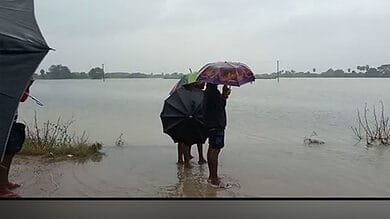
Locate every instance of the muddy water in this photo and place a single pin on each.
(264, 153)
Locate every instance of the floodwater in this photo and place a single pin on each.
(264, 154)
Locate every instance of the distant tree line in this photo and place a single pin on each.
(63, 72)
(362, 71)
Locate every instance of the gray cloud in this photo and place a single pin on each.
(173, 35)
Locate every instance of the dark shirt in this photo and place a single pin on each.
(214, 109)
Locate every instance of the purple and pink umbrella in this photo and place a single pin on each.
(226, 73)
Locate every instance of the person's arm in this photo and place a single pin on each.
(24, 96)
(223, 102)
(26, 92)
(226, 92)
(222, 99)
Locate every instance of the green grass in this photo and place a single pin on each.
(54, 140)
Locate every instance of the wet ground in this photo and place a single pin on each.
(41, 177)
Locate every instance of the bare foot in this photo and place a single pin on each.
(219, 184)
(222, 185)
(5, 193)
(214, 182)
(188, 166)
(12, 186)
(202, 161)
(219, 178)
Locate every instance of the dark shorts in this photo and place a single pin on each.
(16, 139)
(216, 139)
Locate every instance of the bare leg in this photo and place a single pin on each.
(180, 160)
(189, 148)
(212, 160)
(187, 158)
(200, 152)
(5, 185)
(8, 161)
(4, 169)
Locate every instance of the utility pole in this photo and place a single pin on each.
(103, 72)
(277, 70)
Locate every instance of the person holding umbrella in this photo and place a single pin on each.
(182, 117)
(15, 142)
(215, 119)
(226, 74)
(22, 48)
(186, 149)
(184, 156)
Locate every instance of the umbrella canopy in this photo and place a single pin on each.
(185, 80)
(182, 116)
(22, 48)
(227, 73)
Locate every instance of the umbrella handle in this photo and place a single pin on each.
(35, 99)
(228, 86)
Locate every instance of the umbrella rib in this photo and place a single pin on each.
(37, 44)
(170, 126)
(172, 116)
(176, 108)
(7, 95)
(182, 103)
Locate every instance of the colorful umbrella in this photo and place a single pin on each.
(22, 48)
(185, 80)
(227, 73)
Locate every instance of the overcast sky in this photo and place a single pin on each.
(174, 35)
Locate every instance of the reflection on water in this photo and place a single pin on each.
(264, 154)
(192, 183)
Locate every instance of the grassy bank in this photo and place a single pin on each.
(54, 140)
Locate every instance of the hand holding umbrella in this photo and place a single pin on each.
(226, 91)
(27, 94)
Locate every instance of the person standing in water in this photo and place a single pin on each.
(184, 154)
(215, 119)
(184, 150)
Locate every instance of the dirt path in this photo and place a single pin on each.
(38, 178)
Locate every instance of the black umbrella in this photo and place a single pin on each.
(185, 80)
(22, 48)
(182, 116)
